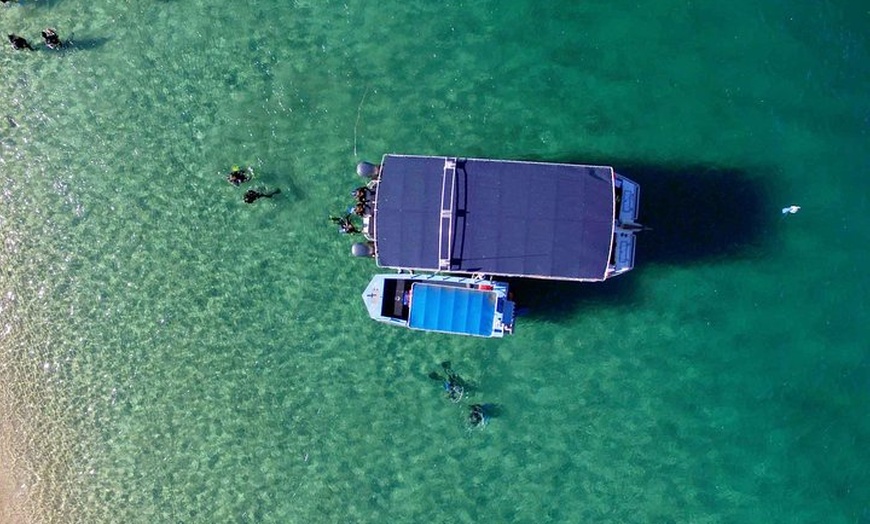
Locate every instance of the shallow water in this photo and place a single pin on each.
(171, 354)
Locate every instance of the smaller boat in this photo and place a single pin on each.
(441, 303)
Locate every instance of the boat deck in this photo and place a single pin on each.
(498, 217)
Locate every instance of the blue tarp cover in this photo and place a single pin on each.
(509, 218)
(452, 309)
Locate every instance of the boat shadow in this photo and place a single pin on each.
(555, 300)
(693, 214)
(698, 213)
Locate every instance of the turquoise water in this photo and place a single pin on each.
(171, 354)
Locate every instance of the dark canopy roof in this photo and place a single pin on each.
(505, 218)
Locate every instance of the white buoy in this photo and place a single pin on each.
(790, 210)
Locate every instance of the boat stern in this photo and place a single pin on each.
(625, 226)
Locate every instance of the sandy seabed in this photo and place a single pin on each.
(17, 504)
(34, 448)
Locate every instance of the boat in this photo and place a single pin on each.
(474, 218)
(441, 303)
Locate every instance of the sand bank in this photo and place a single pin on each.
(17, 503)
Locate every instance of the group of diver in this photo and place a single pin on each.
(49, 36)
(362, 206)
(239, 176)
(455, 388)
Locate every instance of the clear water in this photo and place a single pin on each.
(171, 354)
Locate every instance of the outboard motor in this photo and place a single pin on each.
(363, 249)
(367, 170)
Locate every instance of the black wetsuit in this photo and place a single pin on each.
(237, 177)
(477, 416)
(252, 195)
(51, 39)
(19, 43)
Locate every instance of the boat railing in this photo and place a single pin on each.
(448, 197)
(628, 193)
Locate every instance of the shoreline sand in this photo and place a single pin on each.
(34, 454)
(16, 500)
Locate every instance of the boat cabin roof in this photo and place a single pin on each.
(450, 309)
(497, 217)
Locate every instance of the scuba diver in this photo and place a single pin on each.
(453, 384)
(19, 43)
(345, 226)
(477, 416)
(252, 195)
(360, 209)
(238, 175)
(361, 194)
(52, 41)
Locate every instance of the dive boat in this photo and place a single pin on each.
(441, 303)
(459, 219)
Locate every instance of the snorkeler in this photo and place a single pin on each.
(345, 226)
(453, 384)
(52, 41)
(238, 175)
(252, 195)
(477, 416)
(454, 389)
(19, 43)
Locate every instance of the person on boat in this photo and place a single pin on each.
(19, 43)
(361, 194)
(360, 209)
(345, 226)
(477, 416)
(237, 176)
(52, 41)
(252, 195)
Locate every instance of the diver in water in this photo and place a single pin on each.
(345, 226)
(252, 195)
(19, 43)
(454, 389)
(52, 41)
(478, 416)
(238, 175)
(453, 384)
